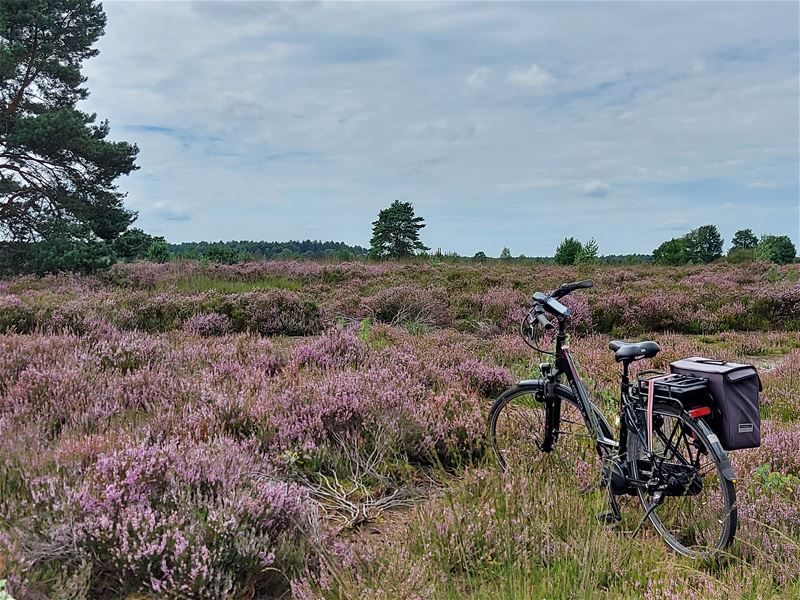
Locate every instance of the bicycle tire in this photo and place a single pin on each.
(527, 438)
(689, 526)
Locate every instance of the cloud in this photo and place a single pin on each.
(446, 129)
(535, 76)
(673, 224)
(258, 120)
(163, 210)
(594, 189)
(762, 185)
(536, 183)
(478, 77)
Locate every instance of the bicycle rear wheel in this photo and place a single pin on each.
(691, 503)
(517, 433)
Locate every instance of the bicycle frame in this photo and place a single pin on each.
(565, 365)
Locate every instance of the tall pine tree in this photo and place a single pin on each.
(57, 169)
(396, 232)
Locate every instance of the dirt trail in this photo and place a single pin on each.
(764, 364)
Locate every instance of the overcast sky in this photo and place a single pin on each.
(506, 124)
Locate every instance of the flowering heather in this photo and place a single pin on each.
(15, 316)
(177, 518)
(128, 437)
(407, 304)
(485, 298)
(190, 430)
(207, 324)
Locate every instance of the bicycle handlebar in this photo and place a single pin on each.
(552, 305)
(568, 288)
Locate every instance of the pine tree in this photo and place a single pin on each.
(744, 239)
(588, 253)
(57, 169)
(396, 232)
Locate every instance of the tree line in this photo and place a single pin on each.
(704, 245)
(396, 234)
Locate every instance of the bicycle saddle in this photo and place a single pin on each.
(634, 351)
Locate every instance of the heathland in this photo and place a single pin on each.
(316, 429)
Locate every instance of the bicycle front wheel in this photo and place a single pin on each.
(517, 433)
(691, 502)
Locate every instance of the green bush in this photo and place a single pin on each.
(16, 317)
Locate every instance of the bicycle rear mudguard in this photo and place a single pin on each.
(725, 466)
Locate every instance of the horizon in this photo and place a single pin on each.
(505, 125)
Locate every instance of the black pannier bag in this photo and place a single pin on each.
(735, 389)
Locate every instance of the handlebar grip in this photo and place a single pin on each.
(544, 321)
(568, 288)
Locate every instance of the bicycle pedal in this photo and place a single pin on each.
(608, 516)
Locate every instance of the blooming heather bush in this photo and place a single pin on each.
(154, 441)
(781, 450)
(336, 348)
(164, 311)
(130, 443)
(489, 381)
(273, 312)
(486, 298)
(608, 311)
(175, 518)
(498, 307)
(769, 526)
(581, 316)
(659, 311)
(405, 304)
(779, 305)
(207, 324)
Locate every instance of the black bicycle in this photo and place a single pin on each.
(665, 453)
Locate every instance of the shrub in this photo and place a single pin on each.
(207, 324)
(15, 316)
(489, 381)
(174, 519)
(568, 251)
(777, 248)
(273, 312)
(608, 311)
(778, 305)
(158, 252)
(498, 307)
(166, 311)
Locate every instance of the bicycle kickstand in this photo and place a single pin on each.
(656, 501)
(613, 515)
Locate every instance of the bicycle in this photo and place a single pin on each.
(665, 454)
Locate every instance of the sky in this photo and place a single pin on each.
(505, 124)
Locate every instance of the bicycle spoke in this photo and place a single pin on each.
(518, 435)
(693, 515)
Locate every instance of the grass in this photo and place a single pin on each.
(519, 536)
